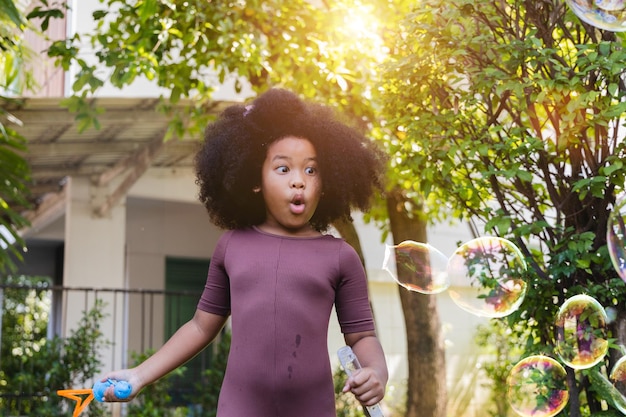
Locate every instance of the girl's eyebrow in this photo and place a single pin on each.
(289, 158)
(280, 157)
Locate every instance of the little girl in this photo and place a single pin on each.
(275, 174)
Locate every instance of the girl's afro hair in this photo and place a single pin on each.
(228, 166)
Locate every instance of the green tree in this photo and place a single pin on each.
(511, 113)
(329, 51)
(14, 80)
(14, 171)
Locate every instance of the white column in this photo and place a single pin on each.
(95, 258)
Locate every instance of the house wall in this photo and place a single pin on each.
(50, 79)
(156, 230)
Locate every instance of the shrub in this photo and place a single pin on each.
(35, 367)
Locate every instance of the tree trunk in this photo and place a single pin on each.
(426, 391)
(348, 232)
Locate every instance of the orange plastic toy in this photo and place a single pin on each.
(75, 394)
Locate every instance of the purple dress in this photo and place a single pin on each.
(280, 292)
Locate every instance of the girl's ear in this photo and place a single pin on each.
(256, 189)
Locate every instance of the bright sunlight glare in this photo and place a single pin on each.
(362, 25)
(7, 237)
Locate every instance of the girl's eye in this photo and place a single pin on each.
(282, 169)
(310, 170)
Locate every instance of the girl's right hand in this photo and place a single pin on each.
(127, 375)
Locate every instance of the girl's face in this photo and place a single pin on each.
(291, 187)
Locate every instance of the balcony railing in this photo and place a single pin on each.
(134, 321)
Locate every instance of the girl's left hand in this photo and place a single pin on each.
(366, 386)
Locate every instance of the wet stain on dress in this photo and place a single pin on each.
(298, 341)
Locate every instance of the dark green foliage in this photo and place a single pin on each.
(208, 389)
(44, 12)
(14, 173)
(154, 400)
(33, 367)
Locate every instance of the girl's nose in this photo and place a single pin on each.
(297, 182)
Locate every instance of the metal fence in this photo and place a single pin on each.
(135, 321)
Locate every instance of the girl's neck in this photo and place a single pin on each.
(271, 229)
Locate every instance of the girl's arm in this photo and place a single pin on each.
(368, 384)
(187, 342)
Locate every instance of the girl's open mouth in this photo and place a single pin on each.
(297, 205)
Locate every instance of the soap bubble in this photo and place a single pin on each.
(417, 267)
(618, 376)
(487, 277)
(581, 332)
(537, 387)
(603, 14)
(618, 373)
(616, 237)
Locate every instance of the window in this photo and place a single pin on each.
(184, 282)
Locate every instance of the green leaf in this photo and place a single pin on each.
(147, 9)
(7, 8)
(524, 175)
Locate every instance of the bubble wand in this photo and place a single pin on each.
(350, 363)
(122, 390)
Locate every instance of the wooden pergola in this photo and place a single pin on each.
(130, 139)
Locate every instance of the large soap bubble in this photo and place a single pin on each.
(616, 237)
(417, 267)
(487, 277)
(581, 340)
(603, 14)
(537, 387)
